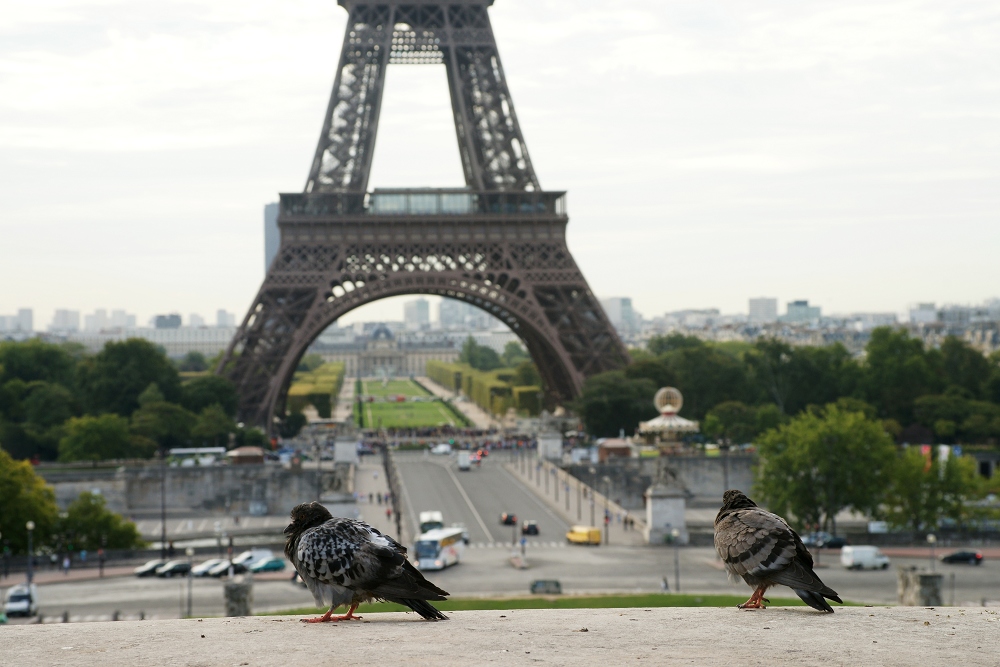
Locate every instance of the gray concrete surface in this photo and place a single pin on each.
(662, 636)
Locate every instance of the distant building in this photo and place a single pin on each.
(171, 321)
(224, 319)
(417, 314)
(800, 312)
(455, 314)
(23, 322)
(176, 342)
(272, 235)
(623, 317)
(99, 320)
(195, 320)
(763, 310)
(380, 352)
(923, 313)
(65, 321)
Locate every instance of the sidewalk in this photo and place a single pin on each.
(574, 501)
(479, 417)
(369, 478)
(344, 410)
(90, 572)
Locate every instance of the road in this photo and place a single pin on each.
(475, 498)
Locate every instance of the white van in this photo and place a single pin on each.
(441, 449)
(252, 555)
(464, 460)
(863, 558)
(21, 600)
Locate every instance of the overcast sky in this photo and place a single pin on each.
(846, 152)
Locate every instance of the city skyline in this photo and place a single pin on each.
(839, 151)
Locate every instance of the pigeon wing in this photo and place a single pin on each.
(754, 544)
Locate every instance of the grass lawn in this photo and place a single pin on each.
(392, 388)
(407, 415)
(647, 600)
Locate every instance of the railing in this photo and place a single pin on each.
(419, 202)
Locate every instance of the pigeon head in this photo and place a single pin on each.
(734, 499)
(306, 516)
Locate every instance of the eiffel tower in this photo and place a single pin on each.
(498, 243)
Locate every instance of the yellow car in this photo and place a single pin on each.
(584, 535)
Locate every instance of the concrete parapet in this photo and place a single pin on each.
(662, 636)
(919, 588)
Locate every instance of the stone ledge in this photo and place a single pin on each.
(665, 636)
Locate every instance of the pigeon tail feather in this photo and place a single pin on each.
(422, 607)
(814, 600)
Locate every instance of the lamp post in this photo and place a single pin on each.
(163, 503)
(31, 527)
(579, 500)
(190, 553)
(676, 534)
(932, 540)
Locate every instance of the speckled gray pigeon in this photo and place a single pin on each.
(347, 562)
(761, 548)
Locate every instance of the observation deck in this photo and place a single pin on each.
(423, 202)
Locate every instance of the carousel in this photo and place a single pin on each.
(666, 430)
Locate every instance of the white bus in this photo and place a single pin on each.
(437, 549)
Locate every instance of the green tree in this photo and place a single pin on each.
(34, 360)
(707, 376)
(24, 496)
(796, 377)
(89, 524)
(202, 392)
(478, 356)
(526, 375)
(611, 402)
(964, 366)
(658, 345)
(213, 426)
(193, 362)
(112, 380)
(513, 354)
(167, 424)
(310, 362)
(924, 490)
(896, 372)
(824, 461)
(731, 422)
(98, 438)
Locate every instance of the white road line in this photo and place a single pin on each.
(468, 501)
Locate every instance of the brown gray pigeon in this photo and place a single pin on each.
(760, 547)
(347, 562)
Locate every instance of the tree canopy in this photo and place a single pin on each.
(112, 380)
(824, 461)
(25, 497)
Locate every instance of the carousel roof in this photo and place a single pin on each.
(668, 422)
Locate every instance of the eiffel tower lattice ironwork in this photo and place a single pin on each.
(499, 243)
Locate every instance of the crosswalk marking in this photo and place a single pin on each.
(531, 544)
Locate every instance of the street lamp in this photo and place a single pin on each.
(676, 534)
(932, 540)
(31, 527)
(190, 552)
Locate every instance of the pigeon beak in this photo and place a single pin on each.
(288, 529)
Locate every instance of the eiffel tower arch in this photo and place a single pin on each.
(498, 243)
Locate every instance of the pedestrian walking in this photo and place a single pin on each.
(66, 564)
(388, 513)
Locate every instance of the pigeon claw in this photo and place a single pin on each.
(756, 600)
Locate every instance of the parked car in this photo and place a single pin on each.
(443, 448)
(529, 527)
(268, 565)
(173, 568)
(148, 569)
(202, 569)
(21, 600)
(507, 519)
(584, 535)
(823, 540)
(970, 557)
(546, 587)
(835, 542)
(222, 569)
(252, 556)
(863, 558)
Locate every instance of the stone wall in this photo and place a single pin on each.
(231, 487)
(703, 476)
